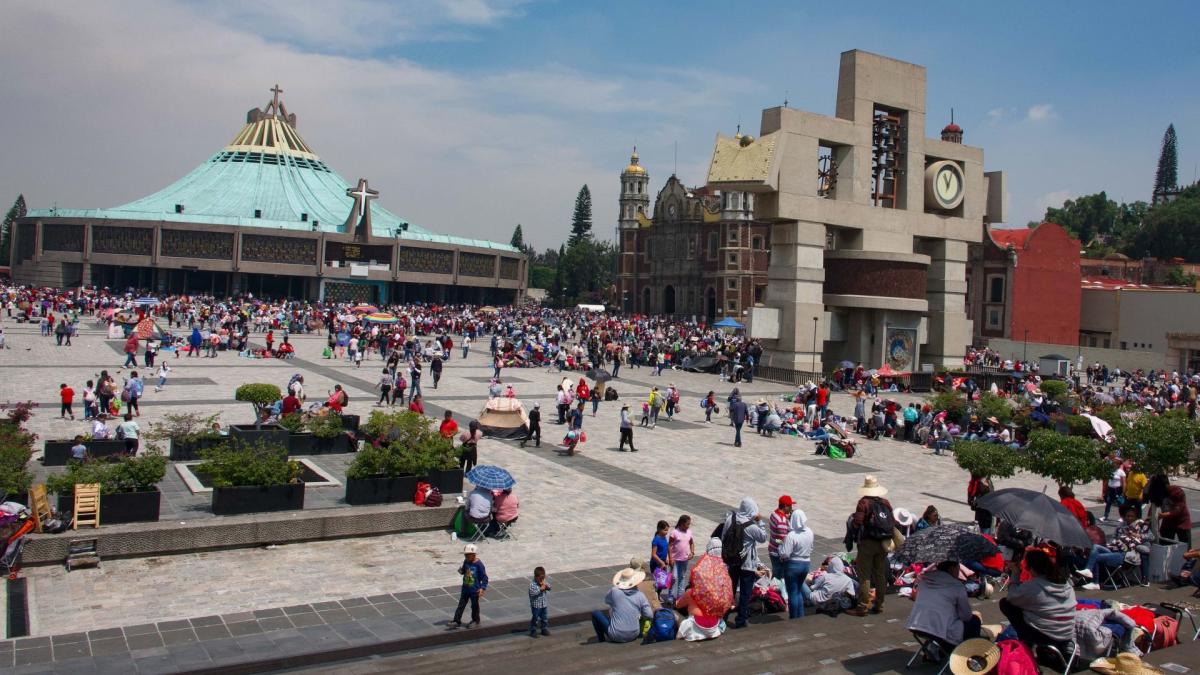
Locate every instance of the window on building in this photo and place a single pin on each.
(1106, 343)
(1092, 341)
(1124, 345)
(758, 243)
(994, 319)
(735, 200)
(691, 248)
(732, 306)
(760, 292)
(733, 235)
(733, 259)
(995, 288)
(712, 245)
(731, 284)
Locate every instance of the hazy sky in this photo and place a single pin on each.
(473, 115)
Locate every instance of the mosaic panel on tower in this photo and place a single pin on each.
(426, 261)
(286, 250)
(122, 240)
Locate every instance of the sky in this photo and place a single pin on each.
(471, 116)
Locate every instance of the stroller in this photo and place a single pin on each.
(10, 560)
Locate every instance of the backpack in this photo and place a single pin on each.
(663, 627)
(675, 397)
(434, 498)
(879, 522)
(1166, 633)
(732, 539)
(1015, 659)
(419, 496)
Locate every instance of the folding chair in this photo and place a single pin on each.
(1187, 609)
(931, 648)
(481, 528)
(87, 505)
(1113, 577)
(504, 530)
(1066, 660)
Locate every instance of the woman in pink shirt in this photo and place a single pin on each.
(682, 550)
(504, 506)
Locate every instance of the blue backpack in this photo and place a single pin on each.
(664, 625)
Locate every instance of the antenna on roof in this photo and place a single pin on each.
(675, 171)
(952, 116)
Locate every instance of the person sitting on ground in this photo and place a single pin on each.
(942, 609)
(290, 404)
(646, 585)
(834, 590)
(1042, 609)
(627, 607)
(930, 518)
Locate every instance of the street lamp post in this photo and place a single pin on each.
(814, 354)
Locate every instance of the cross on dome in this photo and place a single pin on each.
(277, 91)
(362, 194)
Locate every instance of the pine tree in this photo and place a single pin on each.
(518, 238)
(18, 210)
(1167, 176)
(581, 220)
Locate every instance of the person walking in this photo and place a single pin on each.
(466, 345)
(67, 396)
(131, 345)
(534, 432)
(470, 445)
(163, 369)
(435, 369)
(626, 429)
(737, 415)
(134, 388)
(385, 387)
(871, 527)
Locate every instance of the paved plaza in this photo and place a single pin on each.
(580, 516)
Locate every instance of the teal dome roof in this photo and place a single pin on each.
(266, 177)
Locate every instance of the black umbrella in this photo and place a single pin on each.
(598, 374)
(1038, 513)
(944, 542)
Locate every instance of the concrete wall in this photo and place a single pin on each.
(1147, 316)
(1113, 358)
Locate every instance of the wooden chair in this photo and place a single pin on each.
(39, 505)
(87, 505)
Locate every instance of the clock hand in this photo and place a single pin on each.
(946, 179)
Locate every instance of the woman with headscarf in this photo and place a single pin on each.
(745, 574)
(795, 553)
(834, 589)
(1176, 520)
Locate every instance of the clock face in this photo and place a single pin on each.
(944, 186)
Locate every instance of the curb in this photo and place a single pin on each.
(384, 647)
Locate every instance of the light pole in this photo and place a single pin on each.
(814, 354)
(1025, 353)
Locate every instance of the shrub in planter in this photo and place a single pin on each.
(1078, 425)
(128, 486)
(330, 435)
(403, 446)
(1055, 390)
(252, 477)
(990, 405)
(954, 403)
(988, 460)
(1066, 459)
(187, 434)
(16, 449)
(260, 395)
(293, 422)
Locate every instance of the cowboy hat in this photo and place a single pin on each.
(628, 578)
(1125, 663)
(974, 656)
(871, 488)
(903, 516)
(761, 401)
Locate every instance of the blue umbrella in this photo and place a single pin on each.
(491, 477)
(727, 322)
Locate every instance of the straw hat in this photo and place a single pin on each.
(974, 657)
(993, 420)
(1124, 664)
(903, 516)
(871, 488)
(470, 548)
(628, 578)
(761, 401)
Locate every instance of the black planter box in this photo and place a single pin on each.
(250, 434)
(350, 423)
(448, 482)
(121, 507)
(58, 453)
(302, 443)
(380, 490)
(184, 451)
(341, 443)
(230, 501)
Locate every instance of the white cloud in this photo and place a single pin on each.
(1050, 200)
(996, 115)
(460, 154)
(1041, 112)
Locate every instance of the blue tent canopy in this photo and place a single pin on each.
(728, 323)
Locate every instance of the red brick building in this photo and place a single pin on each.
(1024, 284)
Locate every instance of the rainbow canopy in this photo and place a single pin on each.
(381, 317)
(364, 309)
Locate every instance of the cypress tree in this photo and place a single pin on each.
(1167, 176)
(18, 210)
(581, 220)
(518, 238)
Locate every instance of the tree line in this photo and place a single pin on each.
(581, 270)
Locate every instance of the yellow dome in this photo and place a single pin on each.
(634, 167)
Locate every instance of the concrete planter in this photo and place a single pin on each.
(382, 490)
(250, 434)
(302, 443)
(448, 482)
(121, 507)
(58, 453)
(230, 501)
(342, 443)
(184, 451)
(350, 423)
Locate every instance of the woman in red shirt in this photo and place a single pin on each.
(1067, 497)
(415, 405)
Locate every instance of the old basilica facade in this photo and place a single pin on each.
(698, 252)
